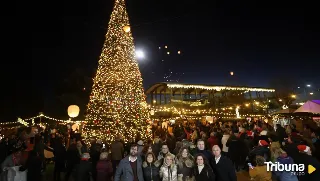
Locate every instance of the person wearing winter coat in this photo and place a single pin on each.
(185, 163)
(83, 170)
(104, 168)
(201, 149)
(151, 168)
(306, 159)
(164, 152)
(260, 172)
(168, 171)
(130, 167)
(261, 150)
(285, 160)
(222, 167)
(224, 140)
(203, 171)
(213, 140)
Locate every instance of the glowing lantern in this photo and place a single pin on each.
(231, 73)
(152, 112)
(75, 127)
(179, 52)
(126, 28)
(73, 111)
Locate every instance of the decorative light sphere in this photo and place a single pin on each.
(140, 54)
(73, 111)
(126, 29)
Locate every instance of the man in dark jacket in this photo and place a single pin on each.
(130, 168)
(117, 151)
(281, 133)
(222, 166)
(201, 149)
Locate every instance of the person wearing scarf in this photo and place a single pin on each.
(168, 171)
(185, 163)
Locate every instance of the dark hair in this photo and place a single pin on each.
(153, 156)
(200, 140)
(205, 160)
(133, 145)
(164, 143)
(145, 148)
(181, 150)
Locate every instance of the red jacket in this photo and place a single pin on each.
(213, 141)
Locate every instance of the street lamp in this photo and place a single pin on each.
(308, 85)
(293, 96)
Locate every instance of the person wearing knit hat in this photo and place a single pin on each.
(304, 149)
(263, 143)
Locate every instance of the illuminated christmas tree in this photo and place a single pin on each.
(117, 103)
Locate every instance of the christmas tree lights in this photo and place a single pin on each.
(117, 103)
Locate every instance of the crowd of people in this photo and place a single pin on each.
(189, 151)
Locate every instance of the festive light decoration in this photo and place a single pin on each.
(117, 103)
(41, 115)
(237, 112)
(218, 88)
(73, 111)
(203, 112)
(21, 121)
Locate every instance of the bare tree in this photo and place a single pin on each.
(284, 87)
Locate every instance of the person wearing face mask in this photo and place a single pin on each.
(130, 167)
(185, 164)
(151, 168)
(203, 171)
(168, 171)
(306, 159)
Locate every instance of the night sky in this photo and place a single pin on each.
(48, 46)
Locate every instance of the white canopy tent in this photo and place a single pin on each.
(310, 107)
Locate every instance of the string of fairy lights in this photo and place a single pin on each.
(233, 112)
(24, 122)
(218, 88)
